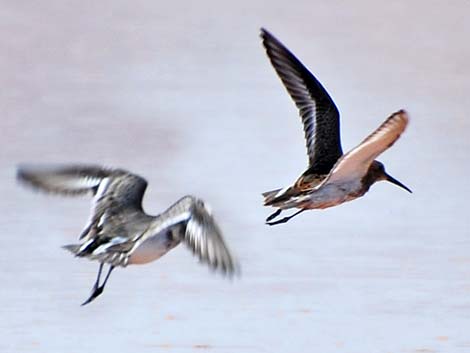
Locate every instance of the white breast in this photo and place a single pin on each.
(152, 249)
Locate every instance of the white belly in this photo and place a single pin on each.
(152, 249)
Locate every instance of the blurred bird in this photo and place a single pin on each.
(331, 178)
(119, 232)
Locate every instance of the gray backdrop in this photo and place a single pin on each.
(183, 94)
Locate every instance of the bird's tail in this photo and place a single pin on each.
(270, 195)
(88, 247)
(73, 248)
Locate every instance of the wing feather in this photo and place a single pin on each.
(355, 164)
(115, 191)
(65, 180)
(319, 114)
(200, 233)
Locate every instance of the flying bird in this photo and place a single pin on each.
(119, 232)
(331, 177)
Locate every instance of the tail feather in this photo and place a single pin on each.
(269, 195)
(73, 248)
(113, 254)
(271, 198)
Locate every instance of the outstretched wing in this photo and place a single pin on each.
(65, 180)
(115, 191)
(356, 163)
(319, 114)
(201, 233)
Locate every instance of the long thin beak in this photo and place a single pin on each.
(396, 182)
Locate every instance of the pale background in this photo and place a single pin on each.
(183, 94)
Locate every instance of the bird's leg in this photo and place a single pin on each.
(107, 276)
(274, 215)
(97, 282)
(97, 289)
(285, 219)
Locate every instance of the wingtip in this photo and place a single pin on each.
(21, 170)
(400, 116)
(232, 273)
(265, 34)
(229, 271)
(234, 276)
(24, 175)
(403, 113)
(27, 171)
(20, 174)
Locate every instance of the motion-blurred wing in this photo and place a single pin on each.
(115, 191)
(65, 180)
(200, 233)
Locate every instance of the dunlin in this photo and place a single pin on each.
(119, 232)
(331, 177)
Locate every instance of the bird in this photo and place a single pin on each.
(331, 177)
(119, 232)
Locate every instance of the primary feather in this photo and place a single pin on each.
(319, 114)
(118, 225)
(356, 163)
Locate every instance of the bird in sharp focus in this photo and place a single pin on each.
(331, 177)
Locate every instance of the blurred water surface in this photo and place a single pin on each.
(183, 94)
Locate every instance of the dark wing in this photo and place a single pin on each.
(319, 114)
(201, 233)
(115, 191)
(65, 180)
(355, 164)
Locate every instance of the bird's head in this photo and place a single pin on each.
(377, 171)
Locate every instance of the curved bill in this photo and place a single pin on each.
(396, 182)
